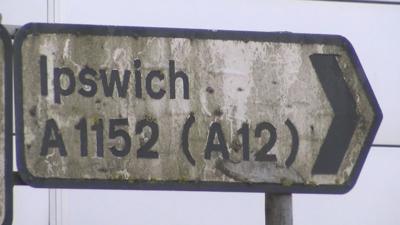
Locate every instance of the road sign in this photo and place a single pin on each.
(5, 128)
(178, 109)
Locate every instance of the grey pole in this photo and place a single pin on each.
(278, 209)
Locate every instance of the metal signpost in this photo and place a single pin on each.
(5, 128)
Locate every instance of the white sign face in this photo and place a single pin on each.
(150, 108)
(5, 128)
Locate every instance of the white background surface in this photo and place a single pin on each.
(372, 29)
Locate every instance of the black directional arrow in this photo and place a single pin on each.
(345, 117)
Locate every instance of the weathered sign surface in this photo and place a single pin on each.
(5, 127)
(153, 108)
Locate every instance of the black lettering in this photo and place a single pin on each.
(58, 90)
(43, 75)
(82, 127)
(98, 127)
(138, 78)
(153, 94)
(295, 143)
(108, 86)
(172, 79)
(115, 133)
(185, 138)
(216, 131)
(83, 78)
(244, 132)
(262, 154)
(145, 148)
(52, 139)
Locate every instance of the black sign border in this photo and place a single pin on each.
(282, 37)
(8, 129)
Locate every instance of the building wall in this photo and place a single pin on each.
(373, 31)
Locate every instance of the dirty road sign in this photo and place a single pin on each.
(5, 127)
(177, 109)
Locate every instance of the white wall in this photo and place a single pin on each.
(372, 29)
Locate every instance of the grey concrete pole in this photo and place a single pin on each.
(278, 209)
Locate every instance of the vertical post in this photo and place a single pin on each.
(278, 209)
(55, 196)
(51, 11)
